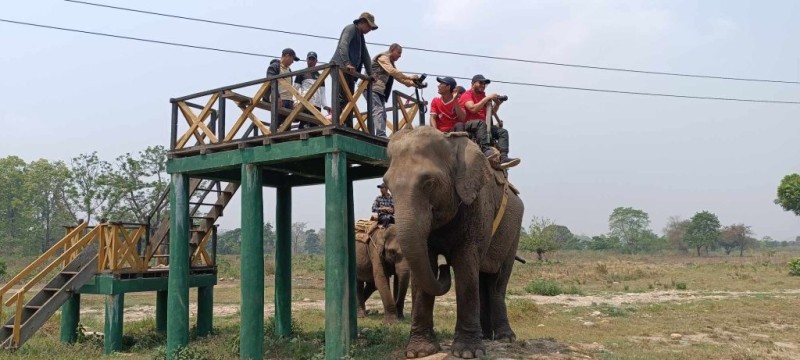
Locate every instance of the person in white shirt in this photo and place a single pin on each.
(303, 84)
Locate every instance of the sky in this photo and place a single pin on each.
(583, 153)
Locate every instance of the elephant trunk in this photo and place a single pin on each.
(413, 226)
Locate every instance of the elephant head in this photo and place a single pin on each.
(431, 175)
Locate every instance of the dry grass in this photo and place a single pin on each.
(628, 307)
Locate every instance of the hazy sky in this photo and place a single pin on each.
(583, 153)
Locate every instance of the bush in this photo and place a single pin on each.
(794, 267)
(680, 285)
(544, 287)
(2, 268)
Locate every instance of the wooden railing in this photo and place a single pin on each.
(205, 122)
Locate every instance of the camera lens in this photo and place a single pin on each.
(502, 97)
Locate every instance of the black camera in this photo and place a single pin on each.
(501, 98)
(419, 82)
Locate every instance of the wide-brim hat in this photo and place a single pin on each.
(369, 18)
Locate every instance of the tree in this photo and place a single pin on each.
(736, 235)
(561, 237)
(45, 182)
(136, 184)
(229, 242)
(604, 242)
(535, 240)
(675, 231)
(15, 214)
(789, 193)
(703, 230)
(89, 186)
(298, 236)
(313, 244)
(269, 239)
(630, 226)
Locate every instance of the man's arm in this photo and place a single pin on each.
(474, 108)
(321, 92)
(434, 118)
(344, 44)
(404, 79)
(460, 113)
(375, 206)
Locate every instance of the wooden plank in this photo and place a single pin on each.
(253, 103)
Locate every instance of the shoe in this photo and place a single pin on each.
(507, 162)
(491, 154)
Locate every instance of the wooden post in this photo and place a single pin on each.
(112, 339)
(251, 332)
(283, 262)
(161, 311)
(205, 310)
(70, 318)
(178, 300)
(337, 311)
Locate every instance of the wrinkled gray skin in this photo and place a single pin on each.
(376, 262)
(445, 201)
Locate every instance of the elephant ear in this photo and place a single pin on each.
(471, 169)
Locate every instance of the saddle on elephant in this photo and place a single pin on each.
(365, 228)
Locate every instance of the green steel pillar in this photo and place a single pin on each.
(351, 248)
(178, 289)
(252, 265)
(283, 262)
(70, 317)
(205, 310)
(113, 326)
(161, 311)
(337, 287)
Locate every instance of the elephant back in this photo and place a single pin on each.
(365, 228)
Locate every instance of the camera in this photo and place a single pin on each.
(501, 98)
(419, 82)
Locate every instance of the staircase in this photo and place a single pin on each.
(49, 299)
(116, 251)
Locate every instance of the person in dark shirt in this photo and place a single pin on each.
(351, 53)
(383, 207)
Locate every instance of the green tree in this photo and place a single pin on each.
(229, 242)
(703, 231)
(561, 236)
(89, 186)
(535, 239)
(46, 182)
(269, 239)
(15, 212)
(136, 184)
(298, 236)
(630, 226)
(789, 193)
(604, 242)
(313, 244)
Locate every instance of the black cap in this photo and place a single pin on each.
(480, 78)
(289, 51)
(311, 54)
(460, 89)
(382, 185)
(448, 81)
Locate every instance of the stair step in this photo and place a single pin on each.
(213, 190)
(204, 203)
(160, 256)
(32, 307)
(72, 273)
(51, 289)
(203, 217)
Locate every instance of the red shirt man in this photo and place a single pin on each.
(446, 112)
(471, 95)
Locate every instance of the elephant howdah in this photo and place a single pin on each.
(449, 201)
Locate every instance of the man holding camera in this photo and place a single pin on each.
(384, 73)
(475, 102)
(446, 113)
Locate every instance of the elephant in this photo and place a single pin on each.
(447, 199)
(377, 261)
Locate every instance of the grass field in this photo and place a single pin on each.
(599, 305)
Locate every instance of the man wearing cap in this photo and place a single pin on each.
(304, 82)
(351, 53)
(281, 67)
(446, 112)
(384, 73)
(475, 102)
(383, 207)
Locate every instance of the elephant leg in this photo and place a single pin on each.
(382, 283)
(467, 343)
(401, 280)
(363, 290)
(497, 286)
(486, 315)
(422, 341)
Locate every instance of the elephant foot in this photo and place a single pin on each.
(400, 316)
(468, 347)
(506, 335)
(421, 346)
(389, 319)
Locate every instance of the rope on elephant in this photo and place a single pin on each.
(502, 210)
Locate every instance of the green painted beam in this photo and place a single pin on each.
(281, 152)
(178, 300)
(112, 339)
(161, 311)
(337, 297)
(283, 262)
(106, 284)
(351, 260)
(252, 265)
(70, 318)
(205, 310)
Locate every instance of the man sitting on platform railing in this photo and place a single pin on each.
(277, 67)
(385, 72)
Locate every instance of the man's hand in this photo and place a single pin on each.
(499, 123)
(350, 69)
(456, 95)
(492, 96)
